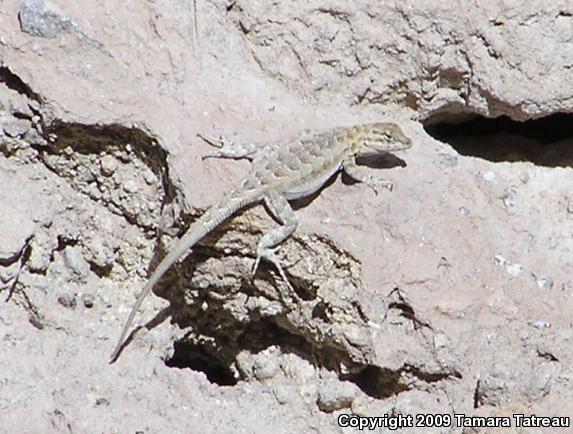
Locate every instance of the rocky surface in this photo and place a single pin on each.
(452, 294)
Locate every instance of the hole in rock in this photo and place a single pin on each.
(197, 358)
(545, 142)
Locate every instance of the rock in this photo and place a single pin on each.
(334, 394)
(108, 165)
(67, 300)
(76, 263)
(88, 300)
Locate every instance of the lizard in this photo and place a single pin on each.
(297, 169)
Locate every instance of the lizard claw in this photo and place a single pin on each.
(269, 255)
(255, 266)
(213, 141)
(373, 183)
(213, 155)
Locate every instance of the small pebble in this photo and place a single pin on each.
(76, 264)
(16, 127)
(130, 186)
(335, 394)
(149, 177)
(539, 324)
(102, 401)
(108, 165)
(265, 368)
(88, 300)
(67, 300)
(544, 282)
(499, 260)
(509, 199)
(36, 321)
(514, 269)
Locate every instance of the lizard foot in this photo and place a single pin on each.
(270, 255)
(373, 183)
(228, 149)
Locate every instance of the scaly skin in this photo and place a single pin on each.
(297, 169)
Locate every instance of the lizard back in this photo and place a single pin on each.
(299, 167)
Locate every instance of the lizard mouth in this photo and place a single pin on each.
(373, 150)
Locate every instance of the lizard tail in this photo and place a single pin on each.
(231, 202)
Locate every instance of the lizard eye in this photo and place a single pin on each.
(386, 136)
(380, 136)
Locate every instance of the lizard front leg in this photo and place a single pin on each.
(361, 174)
(229, 149)
(280, 209)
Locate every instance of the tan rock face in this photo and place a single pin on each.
(450, 294)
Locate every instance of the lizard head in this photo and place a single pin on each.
(377, 137)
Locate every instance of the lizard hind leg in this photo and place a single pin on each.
(280, 209)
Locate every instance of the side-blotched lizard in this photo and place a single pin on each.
(294, 170)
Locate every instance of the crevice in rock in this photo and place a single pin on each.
(476, 396)
(406, 310)
(378, 382)
(216, 355)
(64, 242)
(76, 152)
(99, 270)
(12, 81)
(382, 383)
(22, 257)
(222, 348)
(546, 141)
(94, 139)
(124, 168)
(431, 377)
(199, 357)
(547, 356)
